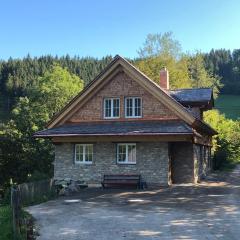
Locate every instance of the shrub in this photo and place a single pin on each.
(226, 145)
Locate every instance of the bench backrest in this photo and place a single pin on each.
(120, 177)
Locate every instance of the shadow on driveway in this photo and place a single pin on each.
(209, 210)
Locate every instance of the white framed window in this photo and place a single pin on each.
(111, 108)
(126, 153)
(84, 153)
(133, 107)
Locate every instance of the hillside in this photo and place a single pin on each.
(229, 105)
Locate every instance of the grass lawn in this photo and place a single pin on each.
(5, 223)
(229, 105)
(6, 227)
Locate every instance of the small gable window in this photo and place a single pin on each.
(133, 107)
(84, 153)
(111, 108)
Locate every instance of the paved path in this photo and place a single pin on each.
(210, 210)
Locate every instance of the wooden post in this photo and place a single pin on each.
(13, 212)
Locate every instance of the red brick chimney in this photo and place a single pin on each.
(164, 79)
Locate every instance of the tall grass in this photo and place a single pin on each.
(6, 232)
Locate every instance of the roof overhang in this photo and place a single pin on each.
(110, 134)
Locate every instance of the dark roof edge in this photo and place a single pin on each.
(203, 126)
(107, 134)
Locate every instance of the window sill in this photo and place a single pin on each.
(83, 163)
(134, 117)
(111, 118)
(126, 163)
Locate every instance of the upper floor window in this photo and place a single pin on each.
(133, 107)
(83, 153)
(111, 108)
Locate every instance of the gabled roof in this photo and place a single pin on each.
(119, 128)
(194, 97)
(117, 65)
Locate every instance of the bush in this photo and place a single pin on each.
(37, 176)
(6, 197)
(226, 145)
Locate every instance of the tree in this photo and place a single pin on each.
(18, 76)
(160, 44)
(200, 77)
(222, 63)
(178, 70)
(226, 144)
(54, 89)
(21, 153)
(185, 71)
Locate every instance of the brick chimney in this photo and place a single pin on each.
(164, 79)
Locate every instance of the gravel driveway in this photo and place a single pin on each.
(209, 210)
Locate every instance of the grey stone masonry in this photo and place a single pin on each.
(152, 162)
(182, 164)
(202, 161)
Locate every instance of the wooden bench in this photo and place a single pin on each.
(131, 180)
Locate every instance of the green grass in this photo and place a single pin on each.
(5, 223)
(229, 105)
(6, 227)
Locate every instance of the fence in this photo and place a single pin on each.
(27, 194)
(16, 211)
(35, 192)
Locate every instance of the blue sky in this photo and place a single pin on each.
(103, 27)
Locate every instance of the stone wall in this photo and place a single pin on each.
(182, 168)
(152, 163)
(202, 161)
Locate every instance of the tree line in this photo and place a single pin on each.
(225, 64)
(17, 76)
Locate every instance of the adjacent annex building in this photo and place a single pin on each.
(124, 123)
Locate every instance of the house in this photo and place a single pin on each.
(124, 123)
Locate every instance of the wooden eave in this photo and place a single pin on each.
(202, 105)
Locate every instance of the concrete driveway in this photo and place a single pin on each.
(210, 210)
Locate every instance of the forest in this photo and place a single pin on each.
(33, 89)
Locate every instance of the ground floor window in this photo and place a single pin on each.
(83, 153)
(126, 153)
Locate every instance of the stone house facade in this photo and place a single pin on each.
(124, 123)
